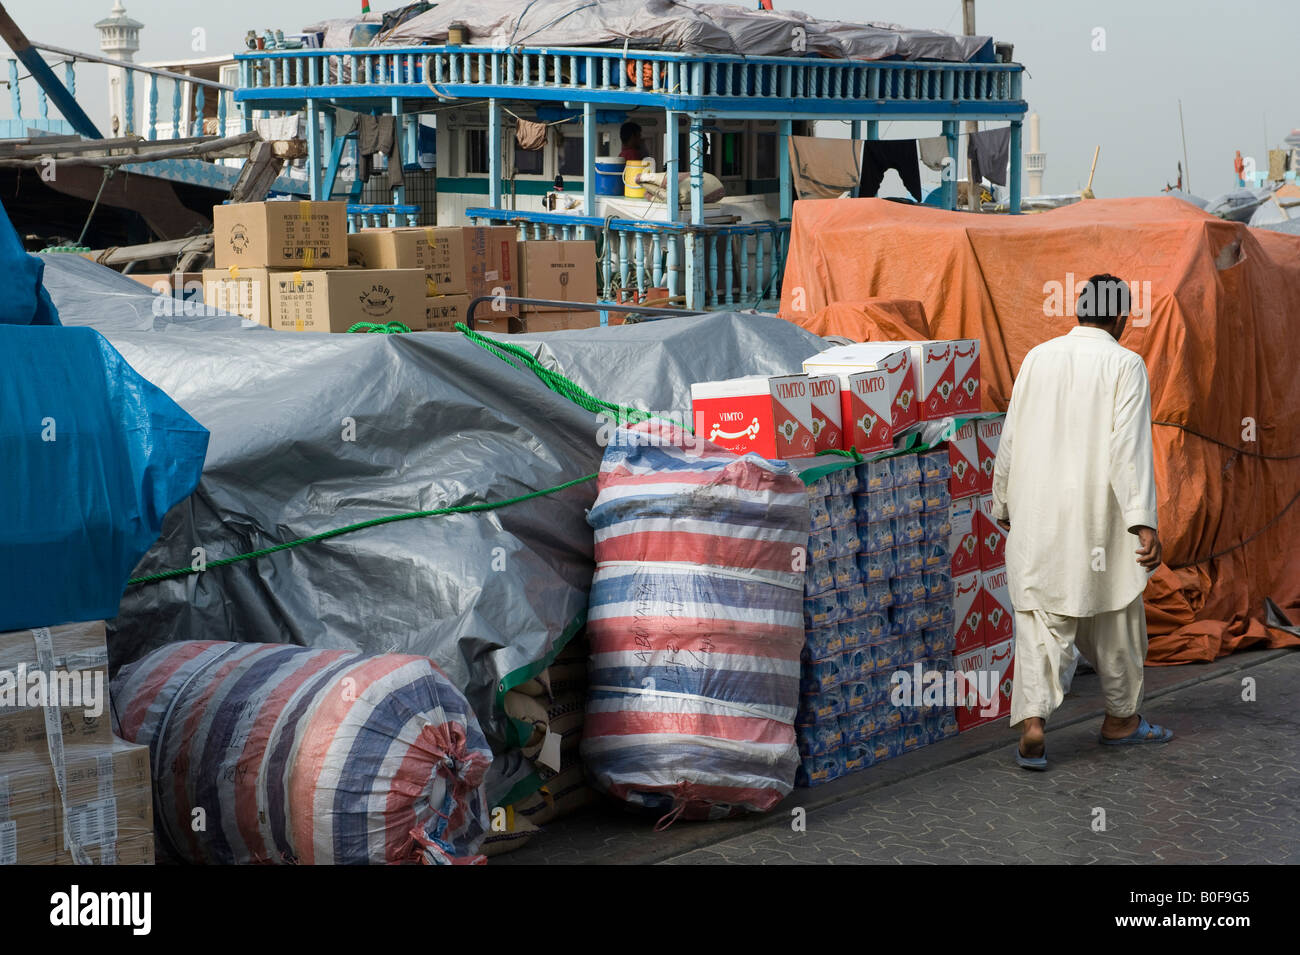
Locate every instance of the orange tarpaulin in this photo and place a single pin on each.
(1216, 317)
(872, 320)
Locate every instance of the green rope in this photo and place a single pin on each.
(558, 383)
(388, 328)
(374, 522)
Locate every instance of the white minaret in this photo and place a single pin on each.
(1035, 160)
(119, 37)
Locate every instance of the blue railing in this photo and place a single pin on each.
(672, 79)
(189, 97)
(743, 263)
(372, 216)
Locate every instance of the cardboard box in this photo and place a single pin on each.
(531, 323)
(893, 358)
(240, 291)
(963, 545)
(973, 664)
(866, 404)
(998, 617)
(827, 429)
(442, 312)
(334, 301)
(963, 459)
(1002, 660)
(78, 684)
(280, 235)
(992, 538)
(771, 417)
(988, 434)
(457, 260)
(948, 377)
(182, 285)
(562, 270)
(109, 805)
(968, 611)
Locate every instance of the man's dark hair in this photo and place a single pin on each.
(628, 130)
(1103, 300)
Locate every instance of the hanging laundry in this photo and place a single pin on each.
(824, 168)
(934, 151)
(990, 151)
(530, 135)
(378, 135)
(879, 155)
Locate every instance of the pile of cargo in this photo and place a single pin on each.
(293, 266)
(71, 793)
(907, 623)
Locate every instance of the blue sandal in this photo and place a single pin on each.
(1031, 762)
(1145, 733)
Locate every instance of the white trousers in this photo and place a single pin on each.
(1114, 642)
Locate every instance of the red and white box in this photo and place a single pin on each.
(992, 538)
(998, 617)
(968, 612)
(974, 679)
(866, 405)
(988, 433)
(1002, 661)
(771, 417)
(963, 459)
(893, 358)
(827, 427)
(963, 545)
(948, 377)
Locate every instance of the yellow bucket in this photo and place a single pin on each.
(634, 167)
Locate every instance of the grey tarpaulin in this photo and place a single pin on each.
(669, 25)
(438, 421)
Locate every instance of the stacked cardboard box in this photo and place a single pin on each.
(67, 785)
(459, 264)
(558, 270)
(285, 265)
(988, 644)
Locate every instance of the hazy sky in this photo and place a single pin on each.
(1233, 63)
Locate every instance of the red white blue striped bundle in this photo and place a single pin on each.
(696, 623)
(279, 753)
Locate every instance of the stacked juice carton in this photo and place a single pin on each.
(878, 602)
(985, 640)
(883, 610)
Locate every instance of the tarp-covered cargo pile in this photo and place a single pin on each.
(311, 433)
(1214, 309)
(674, 25)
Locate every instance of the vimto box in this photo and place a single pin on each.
(893, 358)
(992, 538)
(1002, 661)
(963, 545)
(948, 377)
(973, 666)
(771, 417)
(988, 434)
(997, 607)
(827, 429)
(866, 403)
(963, 458)
(968, 612)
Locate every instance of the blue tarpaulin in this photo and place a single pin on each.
(91, 457)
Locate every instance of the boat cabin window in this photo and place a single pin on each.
(529, 162)
(765, 156)
(476, 151)
(732, 159)
(571, 157)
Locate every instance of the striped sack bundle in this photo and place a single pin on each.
(265, 752)
(696, 623)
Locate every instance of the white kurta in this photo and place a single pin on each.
(1075, 476)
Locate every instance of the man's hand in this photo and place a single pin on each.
(1148, 555)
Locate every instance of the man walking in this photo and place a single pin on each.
(1074, 486)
